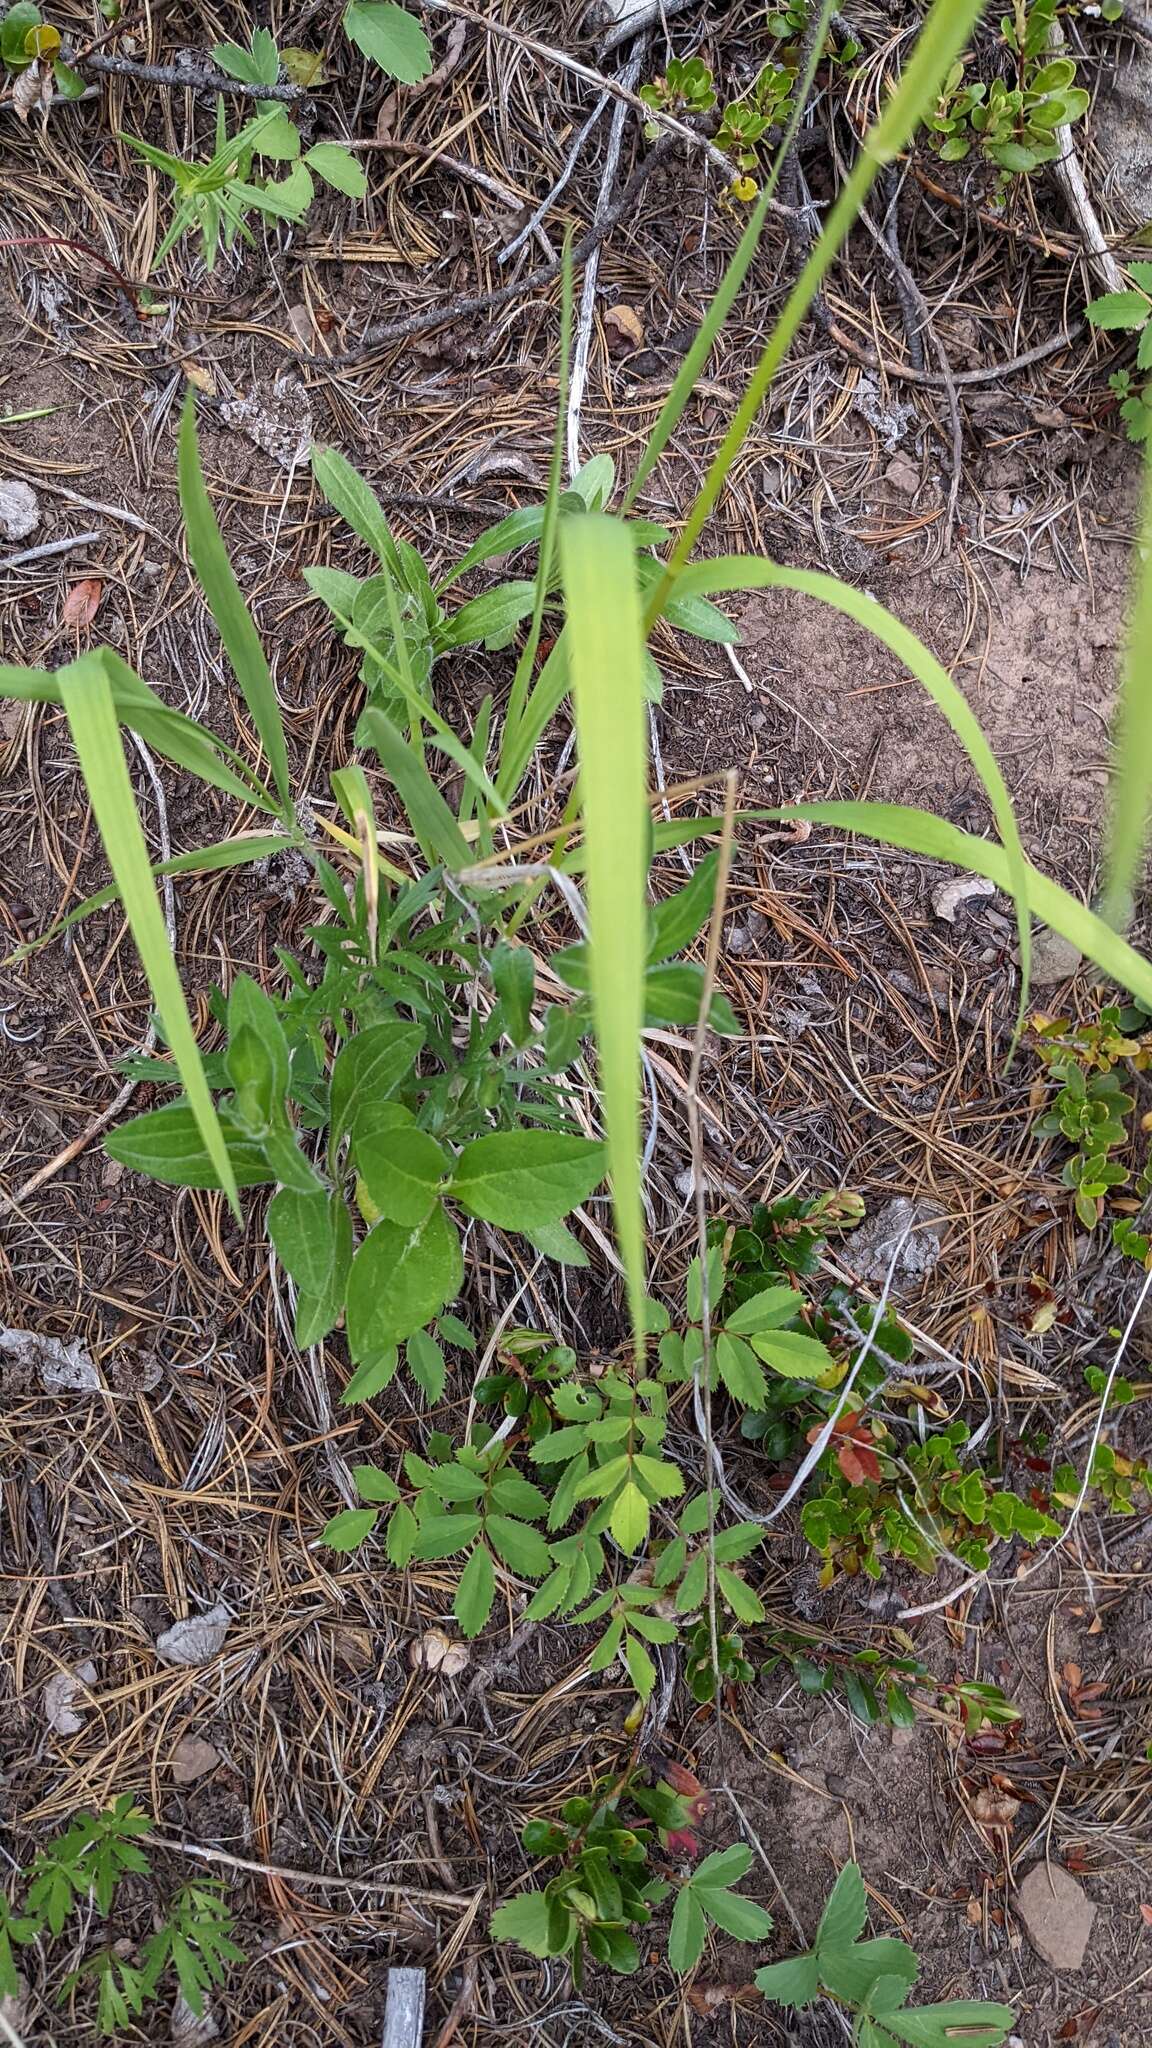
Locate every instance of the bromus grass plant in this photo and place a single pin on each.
(417, 1090)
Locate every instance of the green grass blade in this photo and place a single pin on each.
(607, 643)
(428, 814)
(28, 685)
(916, 831)
(202, 860)
(222, 593)
(541, 708)
(922, 832)
(739, 572)
(87, 699)
(1132, 790)
(693, 364)
(940, 41)
(522, 680)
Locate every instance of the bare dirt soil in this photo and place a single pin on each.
(366, 1812)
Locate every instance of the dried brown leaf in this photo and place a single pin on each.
(82, 604)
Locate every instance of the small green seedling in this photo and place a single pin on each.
(1013, 125)
(216, 198)
(83, 1868)
(1092, 1109)
(872, 1979)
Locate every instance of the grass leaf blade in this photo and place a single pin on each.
(606, 638)
(87, 698)
(227, 606)
(1132, 789)
(738, 572)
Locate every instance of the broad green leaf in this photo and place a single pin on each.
(166, 1144)
(400, 1536)
(222, 592)
(356, 502)
(525, 1920)
(338, 168)
(491, 619)
(740, 1917)
(258, 66)
(664, 1481)
(345, 1531)
(607, 644)
(739, 1597)
(688, 1931)
(1132, 783)
(87, 699)
(1119, 309)
(641, 1669)
(17, 24)
(401, 1169)
(739, 1370)
(845, 1911)
(604, 1479)
(523, 1179)
(791, 1353)
(279, 139)
(681, 918)
(374, 1485)
(556, 1241)
(629, 1519)
(522, 1548)
(795, 1982)
(312, 1234)
(513, 972)
(399, 1280)
(672, 996)
(445, 1535)
(368, 1068)
(519, 529)
(768, 1310)
(455, 1483)
(426, 1364)
(475, 1592)
(559, 1445)
(391, 37)
(372, 1377)
(723, 1866)
(850, 1972)
(517, 1496)
(960, 2023)
(593, 482)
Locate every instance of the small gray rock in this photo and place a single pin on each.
(197, 1639)
(19, 510)
(1056, 1914)
(869, 1251)
(60, 1368)
(1054, 958)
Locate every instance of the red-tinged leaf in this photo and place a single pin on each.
(680, 1843)
(844, 1425)
(82, 603)
(858, 1462)
(681, 1778)
(1146, 1915)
